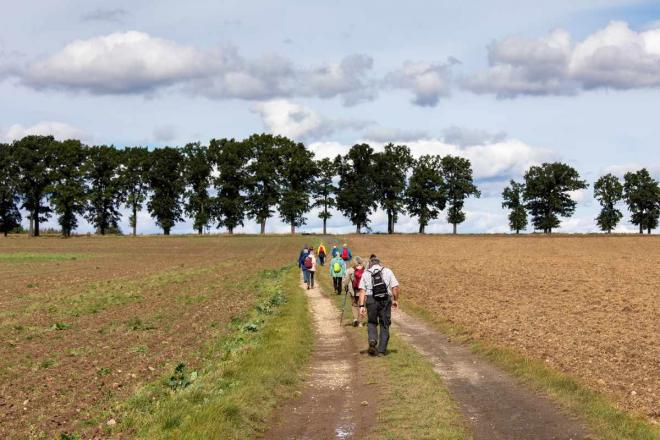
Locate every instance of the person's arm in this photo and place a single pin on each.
(395, 297)
(362, 302)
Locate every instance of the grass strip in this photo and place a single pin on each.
(603, 418)
(413, 401)
(29, 257)
(253, 367)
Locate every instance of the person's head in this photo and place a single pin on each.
(306, 247)
(357, 261)
(345, 245)
(372, 256)
(334, 246)
(374, 261)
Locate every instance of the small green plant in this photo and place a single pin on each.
(104, 371)
(69, 436)
(251, 327)
(139, 349)
(47, 363)
(61, 326)
(181, 378)
(136, 324)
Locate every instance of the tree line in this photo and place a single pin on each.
(545, 194)
(228, 181)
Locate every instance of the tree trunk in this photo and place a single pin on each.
(389, 221)
(31, 227)
(200, 230)
(324, 222)
(648, 230)
(230, 231)
(454, 228)
(549, 230)
(641, 228)
(421, 228)
(263, 227)
(5, 232)
(134, 220)
(36, 221)
(166, 231)
(293, 229)
(517, 231)
(357, 228)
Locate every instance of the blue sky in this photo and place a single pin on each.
(507, 84)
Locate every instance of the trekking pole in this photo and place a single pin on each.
(343, 306)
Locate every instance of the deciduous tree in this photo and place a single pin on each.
(10, 216)
(390, 169)
(355, 197)
(264, 183)
(324, 189)
(136, 162)
(642, 195)
(426, 194)
(547, 193)
(608, 191)
(296, 172)
(513, 200)
(197, 168)
(105, 190)
(231, 158)
(457, 173)
(67, 191)
(167, 187)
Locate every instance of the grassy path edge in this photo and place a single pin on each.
(252, 368)
(605, 420)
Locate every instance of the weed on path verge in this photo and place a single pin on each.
(245, 374)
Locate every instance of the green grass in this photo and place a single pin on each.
(29, 257)
(415, 403)
(603, 418)
(247, 371)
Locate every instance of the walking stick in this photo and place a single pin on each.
(343, 306)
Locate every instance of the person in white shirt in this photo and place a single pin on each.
(379, 293)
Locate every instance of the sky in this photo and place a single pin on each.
(507, 84)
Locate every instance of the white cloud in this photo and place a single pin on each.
(469, 136)
(383, 134)
(613, 57)
(620, 170)
(296, 121)
(347, 79)
(428, 82)
(59, 130)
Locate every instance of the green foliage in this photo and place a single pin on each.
(197, 168)
(355, 197)
(167, 186)
(61, 326)
(33, 159)
(389, 175)
(547, 195)
(181, 378)
(513, 200)
(323, 188)
(105, 191)
(67, 191)
(264, 183)
(231, 158)
(10, 216)
(296, 171)
(136, 162)
(457, 172)
(642, 195)
(426, 194)
(608, 191)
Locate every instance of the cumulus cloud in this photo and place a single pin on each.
(470, 136)
(296, 121)
(622, 169)
(428, 82)
(59, 130)
(383, 134)
(614, 57)
(348, 79)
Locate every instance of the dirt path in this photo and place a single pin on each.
(494, 404)
(329, 407)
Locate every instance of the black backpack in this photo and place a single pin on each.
(378, 286)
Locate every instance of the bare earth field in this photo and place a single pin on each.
(588, 306)
(84, 322)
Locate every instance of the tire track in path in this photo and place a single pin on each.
(495, 405)
(329, 406)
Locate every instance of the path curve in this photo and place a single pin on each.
(328, 406)
(495, 405)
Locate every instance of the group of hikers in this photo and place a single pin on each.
(373, 289)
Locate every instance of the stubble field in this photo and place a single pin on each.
(588, 306)
(84, 322)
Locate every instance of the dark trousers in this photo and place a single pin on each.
(322, 259)
(379, 313)
(336, 283)
(310, 278)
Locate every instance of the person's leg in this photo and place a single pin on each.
(385, 319)
(372, 324)
(337, 284)
(311, 278)
(306, 276)
(355, 309)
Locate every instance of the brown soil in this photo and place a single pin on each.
(588, 306)
(132, 309)
(494, 405)
(329, 406)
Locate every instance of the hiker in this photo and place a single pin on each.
(351, 284)
(337, 272)
(335, 251)
(310, 266)
(301, 262)
(379, 293)
(346, 253)
(321, 254)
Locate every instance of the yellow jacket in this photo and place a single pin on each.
(321, 250)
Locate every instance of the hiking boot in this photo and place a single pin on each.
(372, 348)
(355, 323)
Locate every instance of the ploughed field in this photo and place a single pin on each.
(85, 321)
(588, 305)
